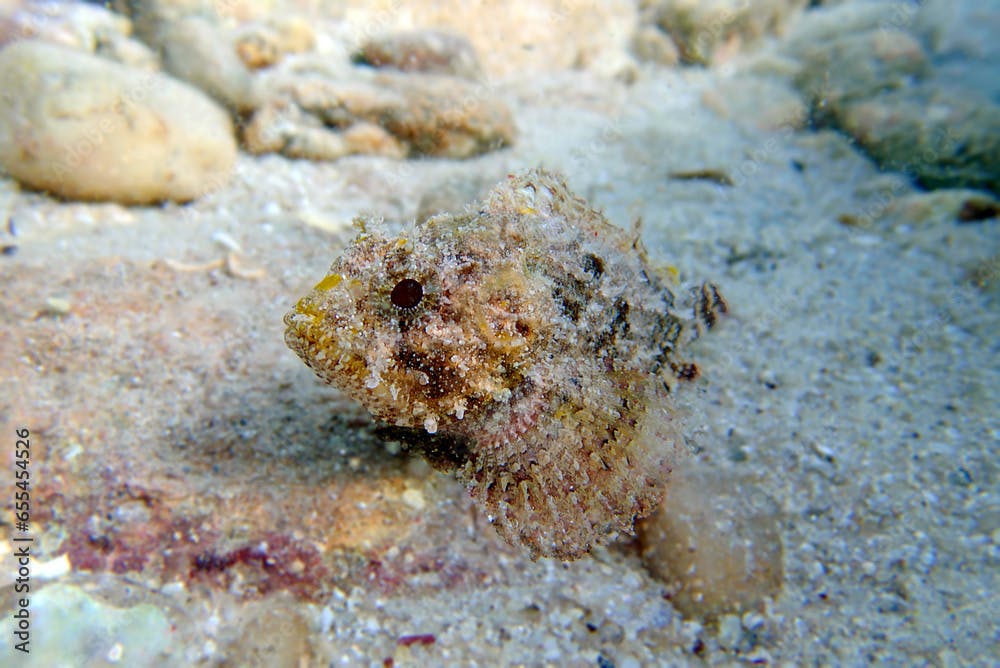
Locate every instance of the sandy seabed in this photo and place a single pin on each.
(192, 470)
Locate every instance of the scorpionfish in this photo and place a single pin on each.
(526, 344)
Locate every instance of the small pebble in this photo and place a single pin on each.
(115, 653)
(730, 631)
(414, 498)
(51, 569)
(421, 51)
(57, 306)
(715, 541)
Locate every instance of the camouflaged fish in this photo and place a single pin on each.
(527, 345)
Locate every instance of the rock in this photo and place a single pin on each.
(149, 15)
(82, 127)
(651, 44)
(295, 34)
(828, 23)
(445, 117)
(129, 52)
(961, 37)
(261, 45)
(978, 208)
(82, 629)
(81, 26)
(730, 632)
(285, 128)
(942, 207)
(429, 51)
(544, 35)
(941, 138)
(258, 48)
(707, 31)
(716, 543)
(864, 73)
(273, 634)
(386, 114)
(201, 52)
(858, 66)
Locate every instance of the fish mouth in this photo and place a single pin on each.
(305, 322)
(297, 334)
(304, 328)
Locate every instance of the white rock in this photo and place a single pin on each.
(414, 498)
(82, 127)
(53, 568)
(201, 52)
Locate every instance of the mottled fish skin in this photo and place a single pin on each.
(527, 345)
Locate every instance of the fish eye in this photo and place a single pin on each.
(407, 293)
